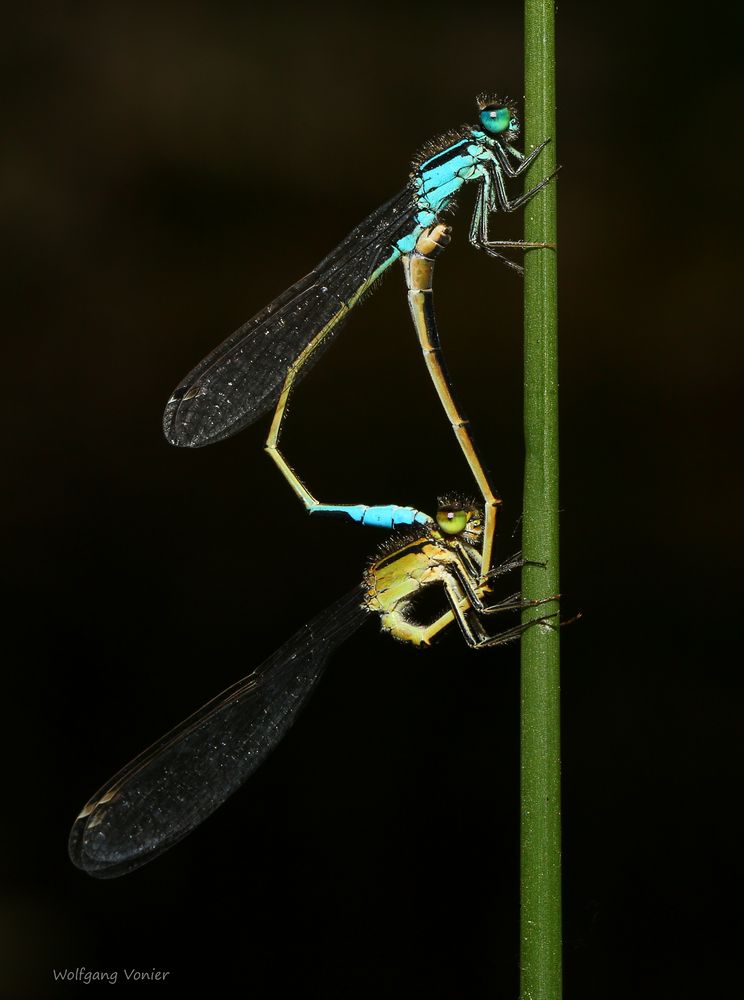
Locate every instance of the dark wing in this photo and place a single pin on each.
(174, 785)
(242, 378)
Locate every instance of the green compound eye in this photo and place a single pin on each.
(452, 522)
(496, 120)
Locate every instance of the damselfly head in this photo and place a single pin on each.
(459, 518)
(498, 116)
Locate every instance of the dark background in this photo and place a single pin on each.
(169, 168)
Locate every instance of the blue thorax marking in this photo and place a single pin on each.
(438, 179)
(457, 166)
(388, 516)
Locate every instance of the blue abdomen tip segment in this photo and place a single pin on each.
(386, 516)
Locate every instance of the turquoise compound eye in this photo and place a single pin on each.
(495, 120)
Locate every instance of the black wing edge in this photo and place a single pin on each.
(142, 811)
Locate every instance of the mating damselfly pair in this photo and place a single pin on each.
(172, 787)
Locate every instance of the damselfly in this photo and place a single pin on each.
(256, 368)
(178, 782)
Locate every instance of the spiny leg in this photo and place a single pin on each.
(497, 176)
(508, 566)
(475, 591)
(524, 161)
(468, 580)
(510, 634)
(515, 602)
(478, 235)
(460, 604)
(419, 269)
(459, 567)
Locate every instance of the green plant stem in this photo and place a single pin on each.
(540, 931)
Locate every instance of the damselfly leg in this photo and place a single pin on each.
(492, 190)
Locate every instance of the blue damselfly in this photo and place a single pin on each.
(257, 367)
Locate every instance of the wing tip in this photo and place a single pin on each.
(176, 429)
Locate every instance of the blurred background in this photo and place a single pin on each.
(169, 168)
